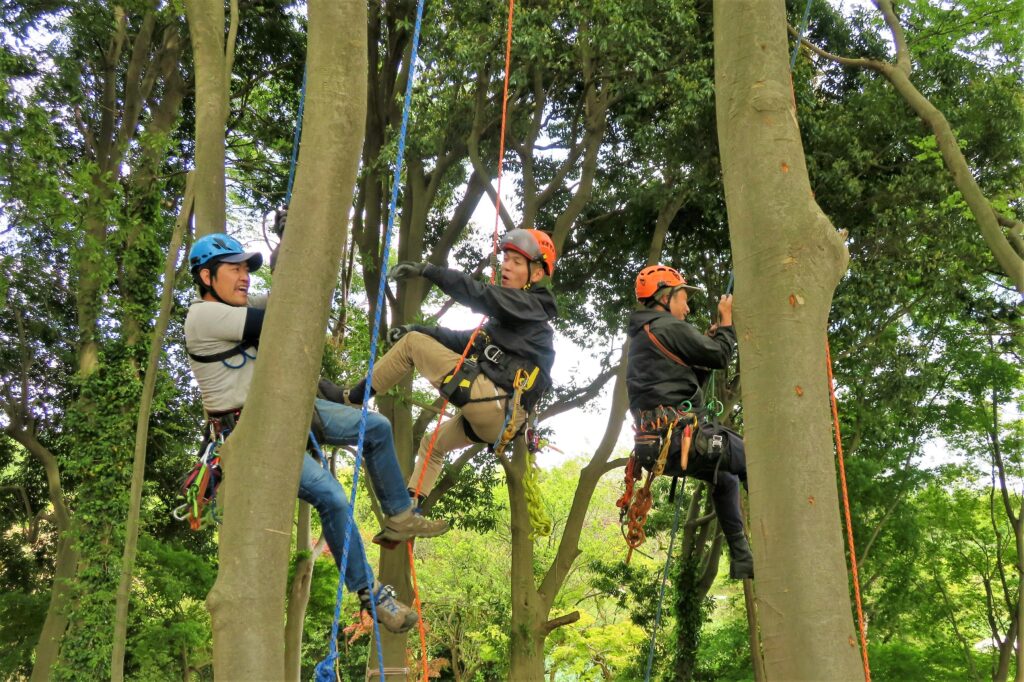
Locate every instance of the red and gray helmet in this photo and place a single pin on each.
(534, 245)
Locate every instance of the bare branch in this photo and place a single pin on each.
(560, 621)
(857, 62)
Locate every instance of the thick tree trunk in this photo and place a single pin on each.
(212, 87)
(263, 457)
(788, 260)
(142, 436)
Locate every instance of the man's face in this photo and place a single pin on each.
(516, 270)
(231, 283)
(678, 305)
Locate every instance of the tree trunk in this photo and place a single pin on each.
(142, 435)
(212, 90)
(788, 260)
(1006, 649)
(247, 601)
(48, 648)
(526, 639)
(66, 558)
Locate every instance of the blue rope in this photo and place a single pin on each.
(800, 36)
(295, 141)
(395, 184)
(661, 597)
(324, 669)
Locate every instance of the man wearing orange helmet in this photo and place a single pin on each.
(668, 361)
(517, 338)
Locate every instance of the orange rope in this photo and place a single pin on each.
(846, 513)
(472, 338)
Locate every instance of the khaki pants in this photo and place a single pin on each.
(434, 361)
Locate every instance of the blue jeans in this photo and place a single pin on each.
(318, 487)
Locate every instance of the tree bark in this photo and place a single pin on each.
(247, 601)
(788, 260)
(142, 435)
(212, 92)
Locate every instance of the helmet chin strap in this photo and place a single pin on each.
(529, 275)
(212, 290)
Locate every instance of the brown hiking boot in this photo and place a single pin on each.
(391, 613)
(406, 526)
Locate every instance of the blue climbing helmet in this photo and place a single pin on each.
(220, 248)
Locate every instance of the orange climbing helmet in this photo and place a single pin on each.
(534, 245)
(654, 278)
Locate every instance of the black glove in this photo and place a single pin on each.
(330, 391)
(406, 270)
(280, 218)
(395, 333)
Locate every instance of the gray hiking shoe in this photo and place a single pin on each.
(391, 613)
(399, 528)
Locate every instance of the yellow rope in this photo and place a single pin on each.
(540, 522)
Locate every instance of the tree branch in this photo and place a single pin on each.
(896, 29)
(857, 62)
(560, 621)
(229, 47)
(581, 396)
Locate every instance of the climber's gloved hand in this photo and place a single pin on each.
(330, 391)
(395, 333)
(280, 218)
(407, 270)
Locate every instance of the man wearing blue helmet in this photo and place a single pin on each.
(222, 331)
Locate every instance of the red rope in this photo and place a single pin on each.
(846, 513)
(472, 338)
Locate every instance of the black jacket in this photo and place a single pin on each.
(518, 323)
(652, 379)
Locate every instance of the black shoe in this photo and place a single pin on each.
(741, 561)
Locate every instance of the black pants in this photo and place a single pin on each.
(722, 476)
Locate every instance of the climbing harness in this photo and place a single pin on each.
(199, 486)
(200, 490)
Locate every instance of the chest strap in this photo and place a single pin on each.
(224, 355)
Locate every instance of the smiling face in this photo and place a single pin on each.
(231, 283)
(516, 271)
